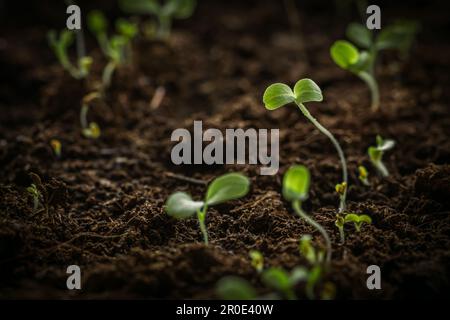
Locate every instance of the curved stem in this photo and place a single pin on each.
(374, 90)
(298, 209)
(338, 148)
(201, 214)
(107, 74)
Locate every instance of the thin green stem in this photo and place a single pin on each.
(342, 234)
(83, 116)
(107, 74)
(374, 90)
(296, 205)
(338, 148)
(381, 168)
(201, 214)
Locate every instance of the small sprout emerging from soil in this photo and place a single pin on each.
(60, 44)
(38, 192)
(305, 90)
(257, 260)
(358, 220)
(117, 48)
(316, 259)
(89, 129)
(376, 154)
(363, 175)
(341, 189)
(235, 288)
(165, 12)
(35, 195)
(56, 147)
(224, 188)
(283, 282)
(398, 36)
(296, 183)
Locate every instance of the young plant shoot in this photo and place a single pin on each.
(363, 175)
(235, 288)
(257, 260)
(35, 195)
(316, 259)
(60, 44)
(296, 183)
(376, 154)
(56, 147)
(284, 282)
(117, 48)
(89, 129)
(222, 189)
(305, 90)
(358, 220)
(362, 63)
(164, 11)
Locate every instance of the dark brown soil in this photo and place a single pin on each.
(106, 196)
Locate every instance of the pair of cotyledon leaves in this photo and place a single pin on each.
(280, 94)
(347, 56)
(376, 153)
(224, 188)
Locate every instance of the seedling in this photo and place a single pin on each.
(281, 281)
(376, 154)
(224, 188)
(358, 220)
(363, 175)
(117, 48)
(89, 129)
(60, 44)
(235, 288)
(38, 192)
(165, 12)
(56, 147)
(296, 183)
(257, 260)
(362, 63)
(35, 195)
(316, 259)
(305, 90)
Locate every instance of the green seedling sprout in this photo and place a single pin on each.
(363, 175)
(35, 195)
(316, 259)
(222, 189)
(358, 220)
(38, 192)
(165, 12)
(90, 130)
(117, 48)
(296, 183)
(60, 44)
(257, 260)
(362, 62)
(56, 147)
(235, 288)
(376, 154)
(284, 282)
(305, 90)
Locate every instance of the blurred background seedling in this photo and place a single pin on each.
(164, 11)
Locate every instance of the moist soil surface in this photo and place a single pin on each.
(105, 206)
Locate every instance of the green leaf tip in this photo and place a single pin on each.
(180, 205)
(278, 95)
(344, 54)
(227, 187)
(296, 183)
